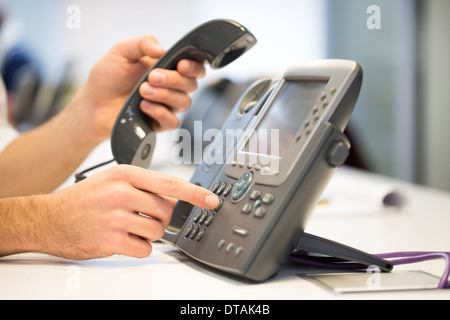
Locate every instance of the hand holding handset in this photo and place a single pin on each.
(218, 42)
(269, 165)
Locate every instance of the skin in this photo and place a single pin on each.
(97, 217)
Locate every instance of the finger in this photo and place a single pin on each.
(151, 205)
(167, 185)
(133, 246)
(177, 100)
(136, 48)
(172, 80)
(177, 188)
(191, 69)
(146, 228)
(163, 118)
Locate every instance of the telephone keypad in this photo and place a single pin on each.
(257, 205)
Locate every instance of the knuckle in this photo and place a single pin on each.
(174, 123)
(117, 192)
(170, 184)
(197, 194)
(151, 38)
(186, 103)
(193, 86)
(163, 94)
(114, 240)
(119, 172)
(167, 213)
(160, 112)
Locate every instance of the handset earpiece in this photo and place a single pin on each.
(218, 42)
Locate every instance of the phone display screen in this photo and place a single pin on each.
(288, 112)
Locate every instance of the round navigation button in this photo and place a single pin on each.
(242, 185)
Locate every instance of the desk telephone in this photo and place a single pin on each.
(267, 197)
(269, 164)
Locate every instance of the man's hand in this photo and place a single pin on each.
(116, 74)
(116, 211)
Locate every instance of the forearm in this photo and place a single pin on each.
(42, 159)
(19, 224)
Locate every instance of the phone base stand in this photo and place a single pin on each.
(337, 255)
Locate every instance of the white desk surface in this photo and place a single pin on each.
(354, 216)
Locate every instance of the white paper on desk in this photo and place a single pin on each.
(347, 195)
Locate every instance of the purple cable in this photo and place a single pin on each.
(419, 256)
(396, 258)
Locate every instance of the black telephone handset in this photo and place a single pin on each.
(218, 42)
(269, 165)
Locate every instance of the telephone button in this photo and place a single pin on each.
(227, 189)
(203, 217)
(199, 235)
(221, 244)
(221, 188)
(241, 231)
(230, 247)
(338, 154)
(219, 206)
(242, 185)
(268, 198)
(193, 232)
(197, 216)
(188, 231)
(239, 251)
(215, 187)
(209, 219)
(255, 194)
(260, 212)
(247, 208)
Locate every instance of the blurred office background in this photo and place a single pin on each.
(399, 126)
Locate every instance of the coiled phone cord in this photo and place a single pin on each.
(396, 258)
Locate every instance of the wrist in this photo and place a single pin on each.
(22, 225)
